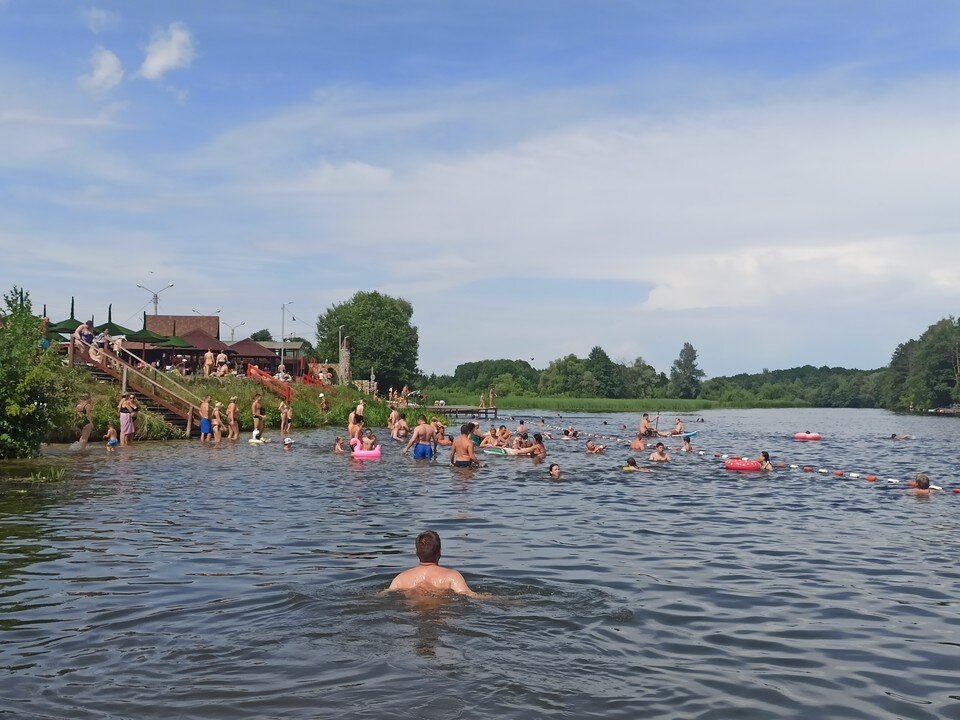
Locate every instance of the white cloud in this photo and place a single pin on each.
(171, 49)
(106, 72)
(99, 20)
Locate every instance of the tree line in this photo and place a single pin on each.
(923, 373)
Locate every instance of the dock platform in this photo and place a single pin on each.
(457, 411)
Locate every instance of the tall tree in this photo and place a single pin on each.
(381, 337)
(685, 376)
(640, 379)
(605, 372)
(262, 335)
(35, 389)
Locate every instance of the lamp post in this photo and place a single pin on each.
(283, 323)
(156, 293)
(340, 337)
(232, 327)
(215, 312)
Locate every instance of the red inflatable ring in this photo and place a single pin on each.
(807, 436)
(742, 465)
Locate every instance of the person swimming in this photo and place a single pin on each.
(428, 575)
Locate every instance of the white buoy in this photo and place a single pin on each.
(822, 471)
(854, 476)
(794, 467)
(890, 480)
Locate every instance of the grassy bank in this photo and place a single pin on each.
(307, 408)
(575, 404)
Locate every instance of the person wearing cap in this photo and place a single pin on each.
(288, 443)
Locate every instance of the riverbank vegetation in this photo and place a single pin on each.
(923, 373)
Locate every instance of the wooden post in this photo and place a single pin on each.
(123, 383)
(71, 351)
(189, 422)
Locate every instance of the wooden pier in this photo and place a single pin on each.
(455, 411)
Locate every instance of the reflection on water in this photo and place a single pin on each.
(177, 580)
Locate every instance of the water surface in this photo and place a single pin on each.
(181, 580)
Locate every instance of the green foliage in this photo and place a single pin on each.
(380, 335)
(483, 374)
(568, 376)
(262, 335)
(608, 375)
(685, 376)
(35, 392)
(925, 373)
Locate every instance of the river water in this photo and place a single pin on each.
(184, 581)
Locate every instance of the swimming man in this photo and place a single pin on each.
(428, 575)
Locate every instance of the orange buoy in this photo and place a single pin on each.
(957, 491)
(780, 465)
(871, 478)
(838, 473)
(808, 468)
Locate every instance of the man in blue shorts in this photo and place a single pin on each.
(423, 440)
(206, 428)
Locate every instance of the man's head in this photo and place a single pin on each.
(421, 420)
(646, 415)
(428, 547)
(659, 447)
(923, 482)
(466, 428)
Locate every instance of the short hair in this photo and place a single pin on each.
(659, 445)
(428, 546)
(923, 482)
(421, 417)
(647, 415)
(466, 428)
(632, 462)
(357, 419)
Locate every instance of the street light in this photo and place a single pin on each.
(283, 322)
(156, 299)
(340, 337)
(232, 327)
(215, 312)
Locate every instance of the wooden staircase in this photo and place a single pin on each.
(154, 390)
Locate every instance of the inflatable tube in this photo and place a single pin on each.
(742, 465)
(362, 454)
(807, 436)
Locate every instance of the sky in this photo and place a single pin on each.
(773, 182)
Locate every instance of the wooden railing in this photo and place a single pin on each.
(270, 382)
(158, 387)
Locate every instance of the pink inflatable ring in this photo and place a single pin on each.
(741, 465)
(362, 454)
(807, 436)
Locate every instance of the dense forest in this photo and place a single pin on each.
(923, 373)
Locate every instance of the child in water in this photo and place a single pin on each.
(632, 466)
(338, 446)
(111, 437)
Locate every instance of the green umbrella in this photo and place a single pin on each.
(66, 326)
(111, 325)
(145, 336)
(175, 342)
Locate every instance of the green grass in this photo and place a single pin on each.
(575, 404)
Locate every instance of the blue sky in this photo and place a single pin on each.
(774, 182)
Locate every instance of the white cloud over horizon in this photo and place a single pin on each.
(106, 72)
(169, 49)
